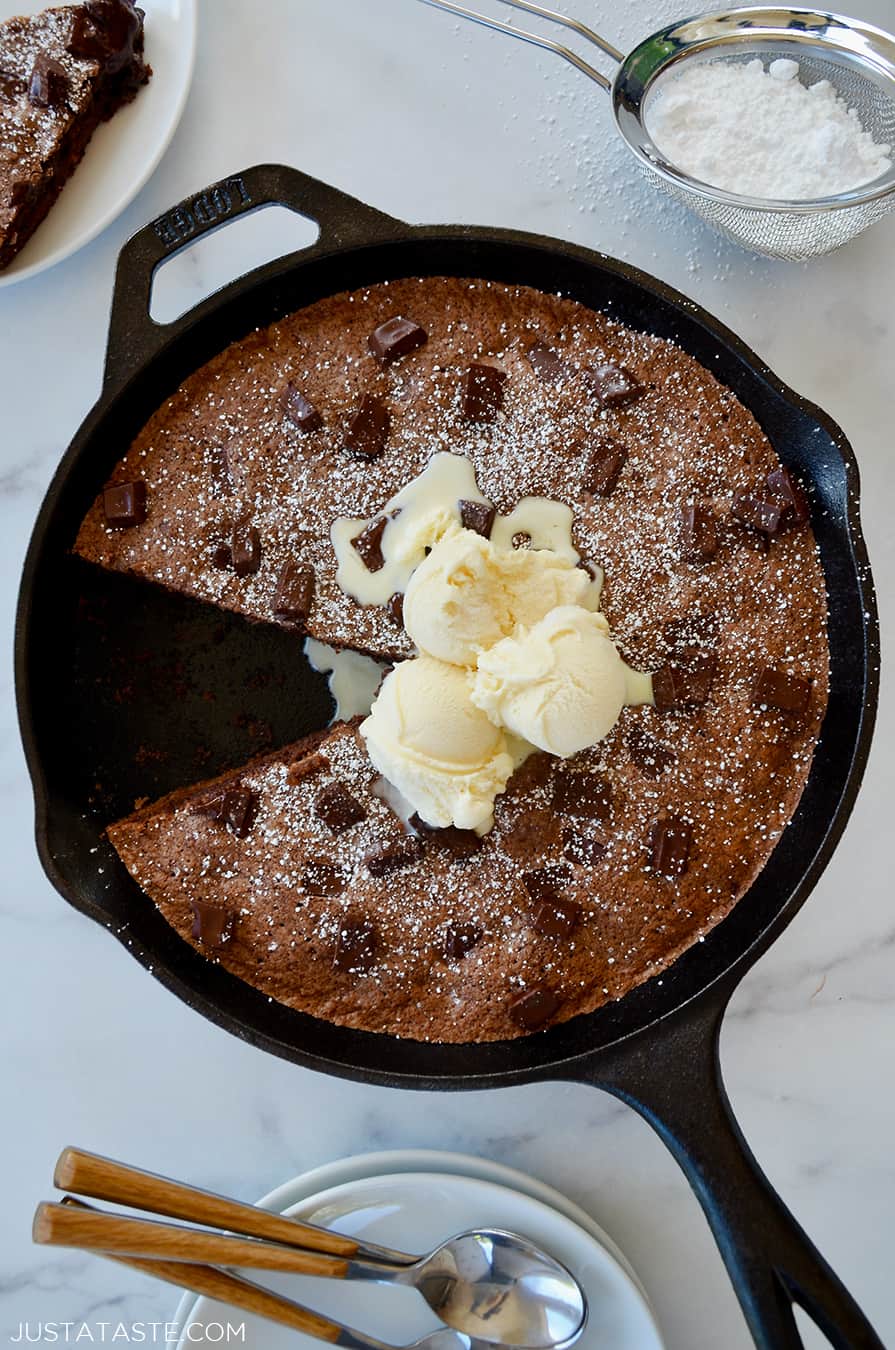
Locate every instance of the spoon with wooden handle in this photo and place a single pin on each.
(232, 1289)
(485, 1283)
(105, 1179)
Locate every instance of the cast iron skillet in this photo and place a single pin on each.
(125, 691)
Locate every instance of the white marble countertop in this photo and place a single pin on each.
(399, 106)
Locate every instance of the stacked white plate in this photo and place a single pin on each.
(412, 1200)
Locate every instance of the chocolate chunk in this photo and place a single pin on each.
(396, 337)
(300, 412)
(239, 810)
(757, 513)
(86, 42)
(48, 85)
(777, 689)
(322, 877)
(546, 363)
(649, 755)
(245, 549)
(584, 849)
(788, 493)
(483, 392)
(294, 593)
(676, 688)
(699, 534)
(532, 834)
(105, 13)
(233, 807)
(368, 429)
(124, 504)
(356, 946)
(392, 855)
(533, 1009)
(460, 844)
(368, 544)
(306, 766)
(458, 939)
(477, 516)
(337, 808)
(602, 466)
(105, 31)
(212, 924)
(521, 539)
(612, 385)
(545, 883)
(556, 918)
(395, 608)
(582, 794)
(670, 840)
(222, 557)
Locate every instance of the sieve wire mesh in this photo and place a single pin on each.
(807, 233)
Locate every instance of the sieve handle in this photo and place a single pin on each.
(671, 1075)
(535, 39)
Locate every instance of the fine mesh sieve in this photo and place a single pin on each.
(856, 58)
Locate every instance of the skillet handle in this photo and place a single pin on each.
(135, 337)
(671, 1075)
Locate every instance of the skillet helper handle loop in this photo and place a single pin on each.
(134, 337)
(673, 1079)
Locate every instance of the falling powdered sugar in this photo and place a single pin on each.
(763, 133)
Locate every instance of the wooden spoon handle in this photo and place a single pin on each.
(227, 1288)
(105, 1179)
(63, 1225)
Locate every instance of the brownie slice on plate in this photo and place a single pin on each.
(62, 72)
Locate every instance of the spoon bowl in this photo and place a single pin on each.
(494, 1286)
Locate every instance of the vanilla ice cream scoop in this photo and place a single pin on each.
(443, 754)
(559, 685)
(468, 595)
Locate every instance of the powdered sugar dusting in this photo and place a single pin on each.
(763, 133)
(220, 448)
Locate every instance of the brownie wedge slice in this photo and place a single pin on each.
(62, 73)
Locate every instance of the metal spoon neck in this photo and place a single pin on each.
(382, 1272)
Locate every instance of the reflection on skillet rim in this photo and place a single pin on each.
(71, 844)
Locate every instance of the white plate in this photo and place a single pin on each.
(415, 1210)
(123, 151)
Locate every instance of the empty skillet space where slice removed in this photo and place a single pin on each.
(161, 690)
